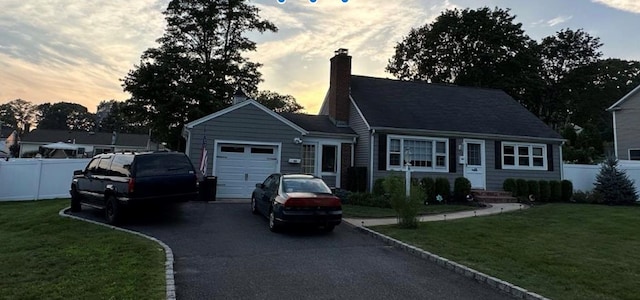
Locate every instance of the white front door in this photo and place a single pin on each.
(475, 168)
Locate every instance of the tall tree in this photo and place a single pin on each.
(479, 47)
(120, 118)
(198, 65)
(18, 114)
(277, 102)
(65, 116)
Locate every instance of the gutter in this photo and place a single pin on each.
(405, 131)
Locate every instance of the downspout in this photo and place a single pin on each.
(353, 153)
(615, 135)
(561, 162)
(371, 142)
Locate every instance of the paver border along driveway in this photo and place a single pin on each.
(222, 251)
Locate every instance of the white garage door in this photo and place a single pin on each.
(240, 167)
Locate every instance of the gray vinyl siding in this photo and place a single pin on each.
(363, 146)
(247, 123)
(496, 177)
(628, 126)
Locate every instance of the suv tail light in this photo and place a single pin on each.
(131, 185)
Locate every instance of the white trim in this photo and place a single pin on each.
(623, 99)
(615, 135)
(629, 152)
(359, 113)
(318, 143)
(243, 104)
(324, 104)
(453, 134)
(187, 149)
(433, 168)
(561, 160)
(483, 153)
(544, 167)
(240, 142)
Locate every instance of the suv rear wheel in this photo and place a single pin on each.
(75, 201)
(112, 210)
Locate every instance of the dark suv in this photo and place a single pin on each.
(116, 180)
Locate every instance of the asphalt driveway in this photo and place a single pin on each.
(222, 251)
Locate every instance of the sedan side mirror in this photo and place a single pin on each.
(78, 172)
(260, 185)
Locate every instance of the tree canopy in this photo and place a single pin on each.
(197, 66)
(277, 102)
(64, 116)
(561, 79)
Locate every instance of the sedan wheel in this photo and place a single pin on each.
(254, 209)
(273, 223)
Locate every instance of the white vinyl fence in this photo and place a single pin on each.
(584, 176)
(35, 179)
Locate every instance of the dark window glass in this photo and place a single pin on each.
(121, 165)
(261, 150)
(538, 161)
(441, 161)
(149, 165)
(508, 150)
(93, 165)
(634, 154)
(523, 161)
(329, 158)
(103, 166)
(307, 185)
(234, 149)
(474, 154)
(394, 159)
(523, 150)
(509, 161)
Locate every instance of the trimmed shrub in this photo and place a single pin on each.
(378, 187)
(406, 208)
(443, 188)
(509, 185)
(534, 189)
(523, 188)
(556, 190)
(367, 199)
(566, 188)
(545, 191)
(461, 188)
(429, 187)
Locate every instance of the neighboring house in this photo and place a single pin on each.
(87, 143)
(374, 123)
(5, 132)
(626, 125)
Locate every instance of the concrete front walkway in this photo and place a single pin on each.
(495, 208)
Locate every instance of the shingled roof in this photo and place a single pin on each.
(5, 131)
(84, 137)
(317, 123)
(387, 103)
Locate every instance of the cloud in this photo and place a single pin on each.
(625, 5)
(558, 20)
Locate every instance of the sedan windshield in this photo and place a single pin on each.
(305, 185)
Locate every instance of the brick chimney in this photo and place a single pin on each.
(339, 87)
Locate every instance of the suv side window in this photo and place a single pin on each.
(92, 166)
(121, 165)
(162, 164)
(103, 166)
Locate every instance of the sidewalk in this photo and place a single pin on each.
(494, 208)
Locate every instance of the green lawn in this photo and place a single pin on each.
(45, 256)
(561, 251)
(357, 211)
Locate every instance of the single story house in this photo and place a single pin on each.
(378, 125)
(87, 143)
(626, 125)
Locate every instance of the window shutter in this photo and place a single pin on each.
(550, 157)
(498, 152)
(382, 152)
(452, 155)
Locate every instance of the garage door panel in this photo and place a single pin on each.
(240, 167)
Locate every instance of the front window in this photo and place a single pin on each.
(524, 156)
(425, 153)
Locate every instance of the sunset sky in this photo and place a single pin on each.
(77, 51)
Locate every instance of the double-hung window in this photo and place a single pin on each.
(425, 154)
(524, 156)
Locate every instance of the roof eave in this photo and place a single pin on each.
(330, 134)
(466, 134)
(623, 99)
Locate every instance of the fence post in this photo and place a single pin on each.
(39, 179)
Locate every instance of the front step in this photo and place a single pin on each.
(493, 196)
